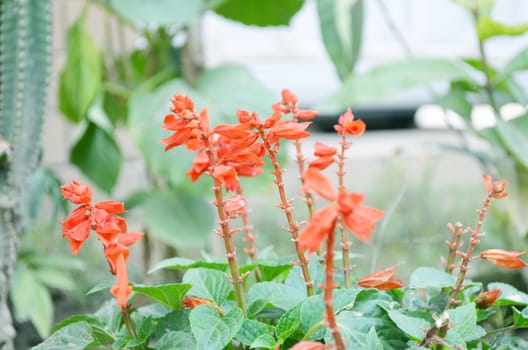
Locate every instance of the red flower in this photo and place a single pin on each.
(486, 299)
(233, 131)
(306, 114)
(235, 205)
(192, 302)
(347, 124)
(121, 291)
(182, 131)
(321, 163)
(227, 175)
(495, 189)
(322, 150)
(199, 166)
(285, 129)
(315, 180)
(77, 193)
(181, 103)
(503, 258)
(76, 228)
(110, 206)
(359, 219)
(319, 226)
(381, 280)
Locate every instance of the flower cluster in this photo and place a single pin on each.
(110, 229)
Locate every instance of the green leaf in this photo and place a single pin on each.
(295, 277)
(373, 342)
(274, 292)
(505, 341)
(429, 277)
(464, 320)
(105, 284)
(393, 78)
(170, 294)
(520, 318)
(456, 100)
(211, 330)
(518, 62)
(253, 331)
(260, 13)
(341, 26)
(177, 321)
(31, 299)
(288, 323)
(269, 269)
(90, 319)
(367, 312)
(161, 13)
(488, 28)
(97, 154)
(208, 284)
(515, 141)
(257, 307)
(54, 278)
(178, 218)
(81, 77)
(509, 295)
(412, 326)
(176, 340)
(179, 263)
(311, 313)
(45, 182)
(76, 336)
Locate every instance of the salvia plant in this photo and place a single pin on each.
(276, 303)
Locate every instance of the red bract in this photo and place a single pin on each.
(285, 129)
(110, 206)
(322, 150)
(495, 189)
(315, 180)
(359, 219)
(227, 177)
(321, 223)
(77, 193)
(347, 124)
(199, 166)
(306, 114)
(181, 103)
(503, 258)
(381, 280)
(321, 163)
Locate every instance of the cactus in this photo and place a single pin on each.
(25, 27)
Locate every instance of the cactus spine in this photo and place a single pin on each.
(25, 28)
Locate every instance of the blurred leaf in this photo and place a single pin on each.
(373, 342)
(509, 295)
(274, 293)
(518, 62)
(311, 313)
(213, 331)
(229, 88)
(45, 182)
(341, 26)
(179, 263)
(31, 300)
(488, 28)
(412, 326)
(515, 140)
(177, 321)
(97, 154)
(393, 78)
(105, 284)
(428, 277)
(92, 320)
(176, 340)
(506, 341)
(455, 99)
(464, 320)
(81, 77)
(208, 284)
(55, 278)
(520, 318)
(76, 336)
(178, 218)
(259, 13)
(143, 14)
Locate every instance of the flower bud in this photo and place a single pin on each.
(503, 258)
(486, 299)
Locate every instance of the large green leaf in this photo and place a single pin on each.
(170, 294)
(254, 332)
(31, 299)
(429, 277)
(366, 313)
(98, 156)
(259, 13)
(158, 12)
(520, 318)
(208, 284)
(288, 323)
(176, 340)
(179, 263)
(510, 295)
(464, 324)
(81, 77)
(518, 62)
(76, 336)
(178, 218)
(212, 331)
(311, 312)
(412, 326)
(274, 293)
(393, 78)
(341, 26)
(515, 140)
(487, 28)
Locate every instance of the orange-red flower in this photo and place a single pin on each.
(111, 206)
(76, 228)
(347, 125)
(192, 302)
(486, 299)
(318, 228)
(181, 103)
(121, 291)
(77, 193)
(285, 129)
(359, 219)
(321, 163)
(503, 258)
(308, 345)
(306, 114)
(497, 189)
(381, 280)
(315, 180)
(227, 176)
(235, 205)
(322, 150)
(199, 166)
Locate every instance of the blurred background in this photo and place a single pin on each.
(441, 84)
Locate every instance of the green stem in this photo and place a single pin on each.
(312, 330)
(500, 330)
(125, 311)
